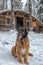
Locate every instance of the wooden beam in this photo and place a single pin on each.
(2, 18)
(2, 15)
(19, 14)
(6, 16)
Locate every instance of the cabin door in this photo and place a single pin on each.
(19, 23)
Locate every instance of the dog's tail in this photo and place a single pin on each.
(30, 54)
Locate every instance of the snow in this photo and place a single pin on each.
(36, 47)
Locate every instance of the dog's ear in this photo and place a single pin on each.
(25, 33)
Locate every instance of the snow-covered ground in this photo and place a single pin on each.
(36, 47)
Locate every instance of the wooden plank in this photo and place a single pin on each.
(19, 14)
(2, 19)
(6, 16)
(6, 25)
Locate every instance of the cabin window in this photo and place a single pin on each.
(8, 20)
(34, 23)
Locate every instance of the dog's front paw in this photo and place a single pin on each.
(20, 61)
(26, 62)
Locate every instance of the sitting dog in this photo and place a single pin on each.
(21, 49)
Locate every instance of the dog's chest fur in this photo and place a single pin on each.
(22, 51)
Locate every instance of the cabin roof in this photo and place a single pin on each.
(26, 13)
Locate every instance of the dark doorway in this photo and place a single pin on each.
(19, 22)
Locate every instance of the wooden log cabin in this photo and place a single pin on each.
(20, 19)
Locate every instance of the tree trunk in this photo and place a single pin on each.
(30, 12)
(3, 4)
(34, 7)
(6, 4)
(12, 15)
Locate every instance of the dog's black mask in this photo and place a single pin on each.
(24, 33)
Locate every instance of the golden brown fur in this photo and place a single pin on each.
(21, 50)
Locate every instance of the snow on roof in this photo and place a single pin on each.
(2, 11)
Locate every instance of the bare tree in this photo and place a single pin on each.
(3, 4)
(34, 7)
(6, 4)
(12, 14)
(30, 12)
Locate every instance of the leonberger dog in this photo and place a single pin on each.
(21, 48)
